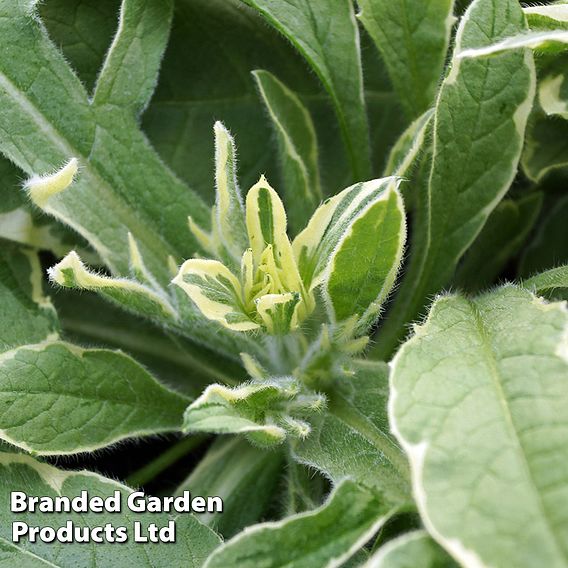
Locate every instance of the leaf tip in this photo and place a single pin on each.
(42, 188)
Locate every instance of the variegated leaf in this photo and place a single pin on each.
(216, 291)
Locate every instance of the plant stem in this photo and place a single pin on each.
(165, 460)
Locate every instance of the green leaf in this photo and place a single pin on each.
(256, 409)
(229, 208)
(554, 279)
(552, 17)
(45, 102)
(184, 365)
(478, 401)
(326, 35)
(57, 398)
(413, 38)
(500, 240)
(26, 315)
(409, 146)
(128, 293)
(546, 148)
(331, 221)
(245, 477)
(60, 399)
(298, 148)
(353, 440)
(194, 541)
(479, 127)
(412, 550)
(549, 247)
(84, 38)
(130, 71)
(364, 264)
(327, 536)
(216, 292)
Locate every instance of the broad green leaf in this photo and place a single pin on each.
(129, 294)
(45, 102)
(327, 536)
(130, 71)
(216, 292)
(364, 264)
(532, 40)
(298, 148)
(500, 240)
(412, 550)
(413, 38)
(60, 399)
(549, 247)
(330, 223)
(408, 147)
(353, 440)
(194, 541)
(479, 127)
(186, 366)
(245, 477)
(478, 400)
(84, 38)
(553, 279)
(326, 34)
(256, 409)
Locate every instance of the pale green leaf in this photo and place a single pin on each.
(129, 294)
(130, 72)
(500, 240)
(478, 400)
(245, 477)
(216, 292)
(364, 264)
(229, 208)
(327, 536)
(298, 148)
(256, 409)
(412, 550)
(329, 224)
(413, 38)
(46, 104)
(326, 34)
(60, 399)
(194, 541)
(479, 126)
(353, 440)
(553, 279)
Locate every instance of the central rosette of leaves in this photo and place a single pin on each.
(265, 289)
(339, 269)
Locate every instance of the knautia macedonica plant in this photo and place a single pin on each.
(356, 336)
